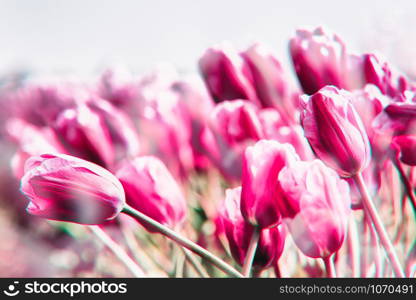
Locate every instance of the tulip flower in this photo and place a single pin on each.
(65, 188)
(152, 190)
(239, 232)
(275, 129)
(122, 132)
(378, 72)
(320, 58)
(406, 147)
(232, 126)
(119, 88)
(84, 133)
(31, 141)
(270, 81)
(315, 207)
(226, 74)
(335, 131)
(262, 164)
(40, 105)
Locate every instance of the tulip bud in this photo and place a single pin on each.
(40, 105)
(405, 145)
(31, 141)
(315, 207)
(151, 189)
(320, 58)
(239, 232)
(335, 131)
(270, 80)
(84, 133)
(261, 166)
(118, 87)
(120, 127)
(236, 121)
(233, 126)
(226, 75)
(275, 129)
(65, 188)
(379, 73)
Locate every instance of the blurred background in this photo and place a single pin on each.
(81, 38)
(78, 36)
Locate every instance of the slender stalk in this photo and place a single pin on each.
(329, 266)
(354, 247)
(184, 242)
(406, 182)
(180, 264)
(118, 251)
(375, 249)
(195, 263)
(251, 252)
(378, 225)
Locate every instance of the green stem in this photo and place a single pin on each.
(251, 252)
(371, 210)
(195, 263)
(330, 267)
(184, 242)
(119, 252)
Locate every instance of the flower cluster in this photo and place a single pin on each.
(244, 170)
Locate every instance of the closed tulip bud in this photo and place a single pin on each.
(31, 141)
(262, 164)
(319, 205)
(233, 125)
(378, 72)
(236, 121)
(320, 58)
(239, 232)
(152, 190)
(226, 75)
(335, 131)
(119, 87)
(120, 127)
(275, 129)
(40, 105)
(65, 188)
(270, 81)
(405, 145)
(84, 133)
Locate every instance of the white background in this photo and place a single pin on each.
(83, 36)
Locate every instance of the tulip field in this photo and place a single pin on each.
(245, 168)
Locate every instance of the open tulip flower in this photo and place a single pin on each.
(231, 171)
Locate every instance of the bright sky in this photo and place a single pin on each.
(83, 36)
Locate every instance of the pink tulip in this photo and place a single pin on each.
(335, 131)
(315, 207)
(123, 134)
(275, 129)
(84, 133)
(65, 188)
(270, 81)
(152, 190)
(379, 73)
(40, 105)
(239, 232)
(320, 58)
(405, 145)
(119, 88)
(233, 125)
(226, 74)
(262, 164)
(369, 103)
(31, 141)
